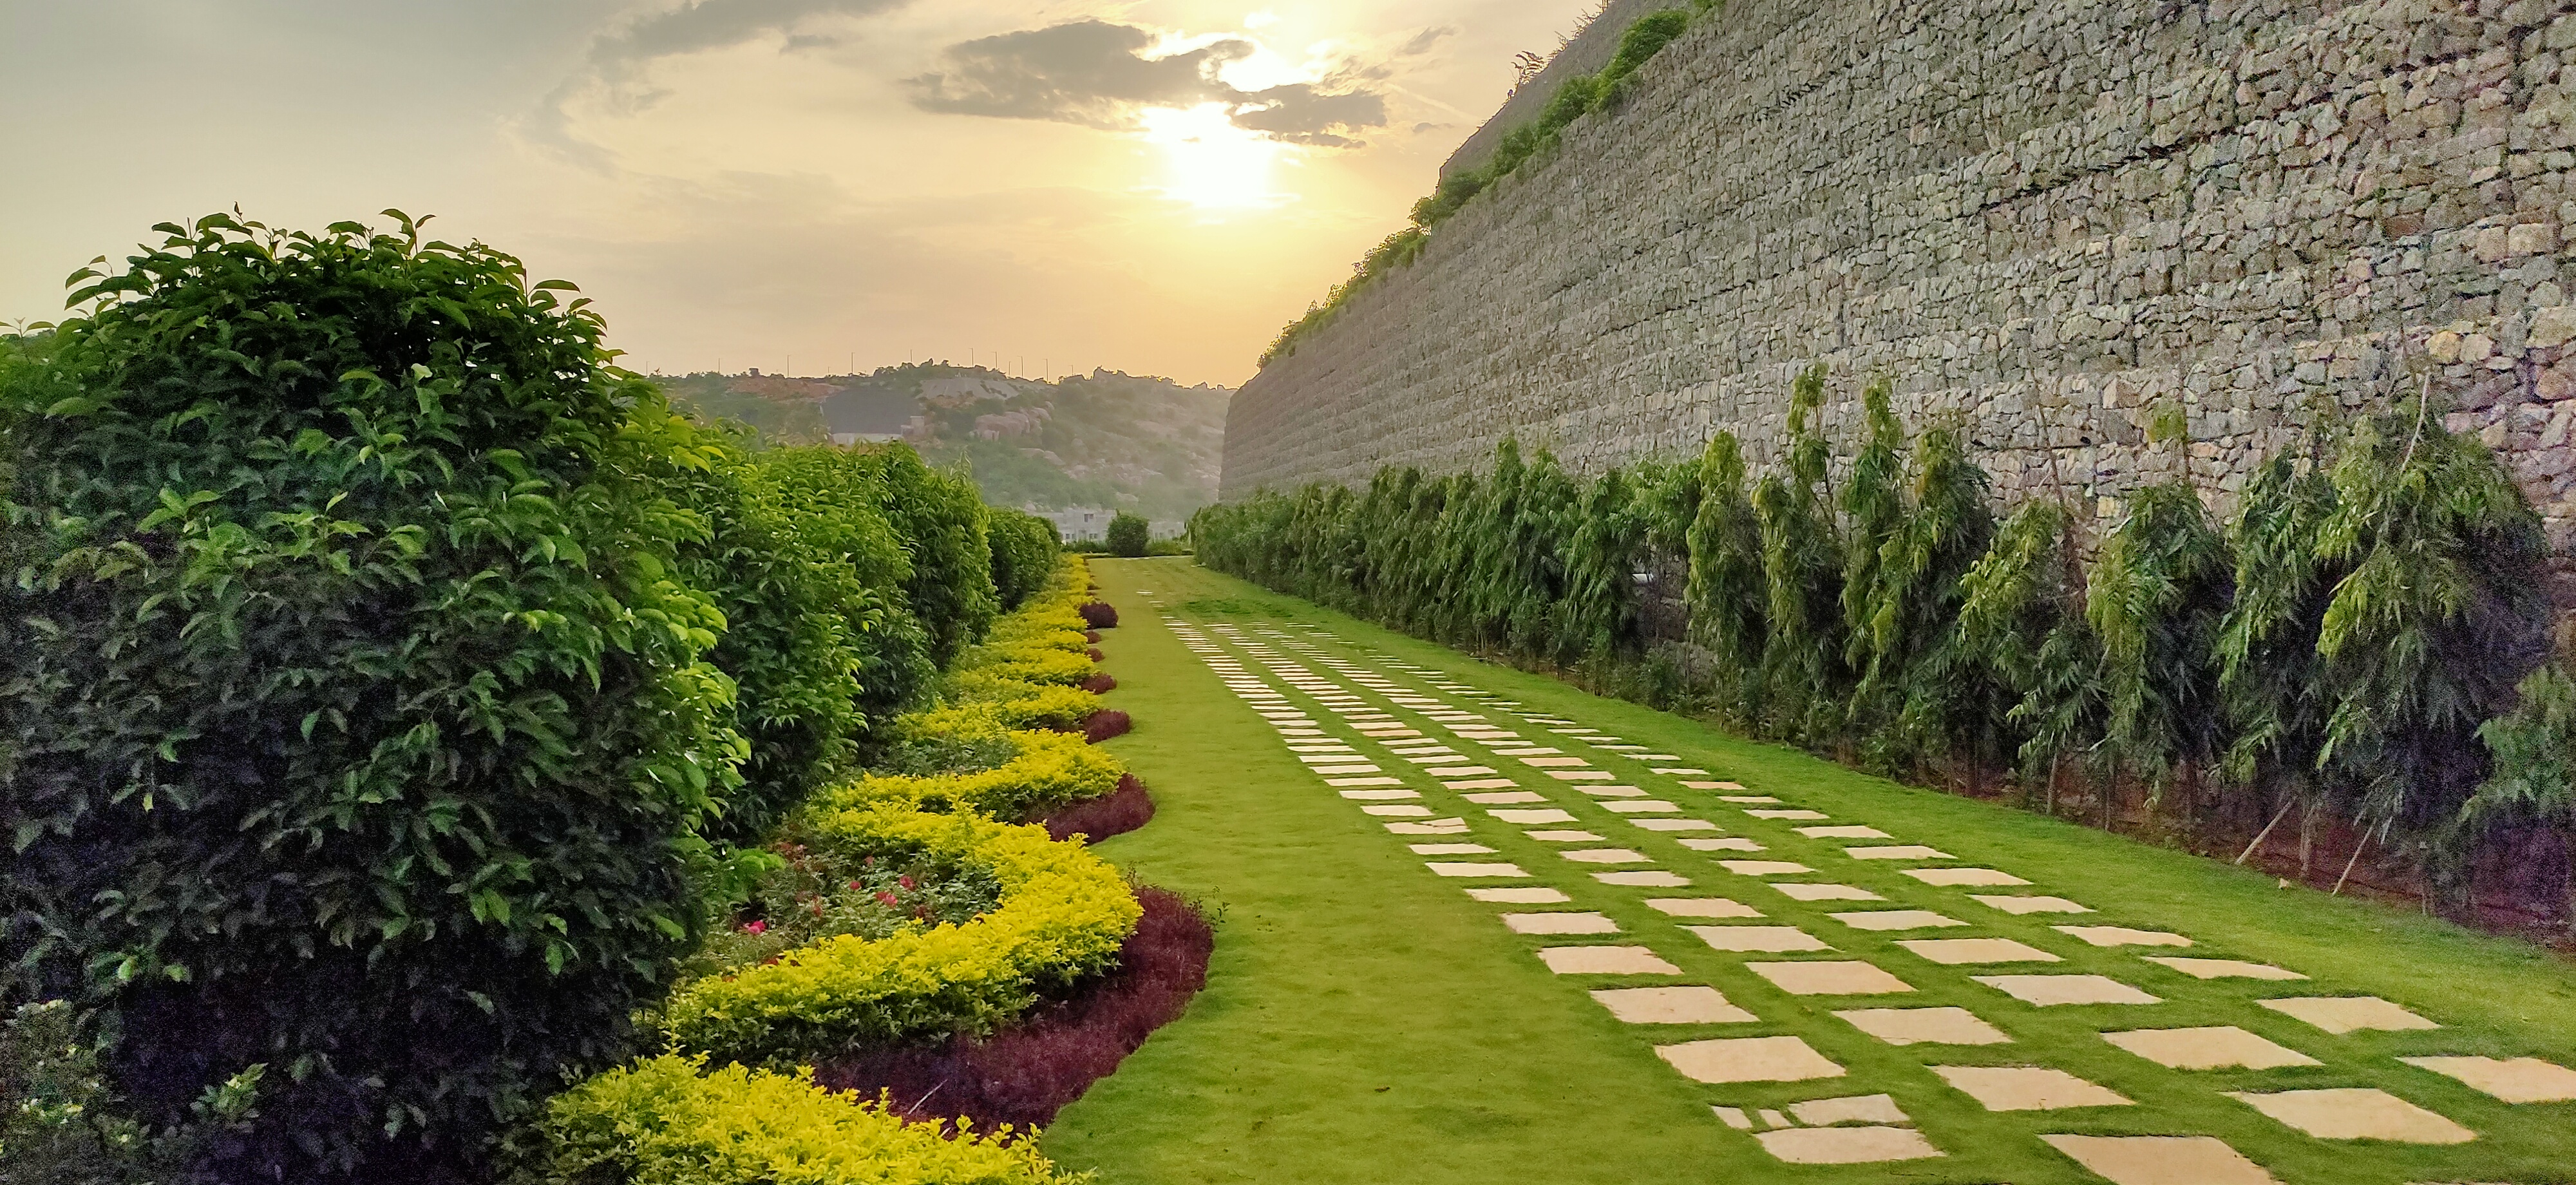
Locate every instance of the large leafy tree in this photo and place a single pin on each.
(354, 713)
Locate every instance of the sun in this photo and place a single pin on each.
(1208, 161)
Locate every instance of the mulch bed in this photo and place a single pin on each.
(1027, 1072)
(1116, 813)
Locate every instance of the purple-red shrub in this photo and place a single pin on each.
(1027, 1072)
(1100, 684)
(1104, 724)
(1116, 813)
(1096, 655)
(1092, 636)
(1100, 614)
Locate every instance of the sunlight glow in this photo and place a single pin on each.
(1209, 162)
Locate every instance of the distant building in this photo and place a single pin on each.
(866, 414)
(1093, 523)
(1082, 523)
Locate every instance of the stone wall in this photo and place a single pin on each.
(2049, 217)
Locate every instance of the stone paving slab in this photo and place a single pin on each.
(1532, 817)
(1749, 1059)
(1478, 870)
(2356, 1114)
(1898, 852)
(1872, 1108)
(1559, 923)
(2051, 991)
(2217, 1047)
(1843, 832)
(1521, 896)
(2225, 969)
(1504, 797)
(1730, 843)
(1701, 907)
(1396, 811)
(2108, 936)
(2018, 906)
(2161, 1160)
(2028, 1088)
(1769, 940)
(2512, 1080)
(1674, 825)
(1605, 960)
(2348, 1014)
(1451, 849)
(1764, 867)
(1830, 978)
(1693, 1005)
(1607, 856)
(1963, 952)
(1925, 1026)
(1649, 880)
(1895, 919)
(1808, 891)
(1846, 1145)
(1948, 877)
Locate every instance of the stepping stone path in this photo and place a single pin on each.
(1686, 814)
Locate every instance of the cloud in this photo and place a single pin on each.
(1096, 73)
(715, 24)
(618, 59)
(1423, 41)
(1304, 115)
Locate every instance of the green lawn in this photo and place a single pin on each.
(1366, 1021)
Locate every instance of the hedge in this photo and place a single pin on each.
(1062, 916)
(672, 1121)
(1021, 704)
(1048, 770)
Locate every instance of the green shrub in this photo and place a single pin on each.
(1063, 915)
(940, 517)
(671, 1121)
(1128, 535)
(834, 502)
(799, 627)
(945, 561)
(354, 713)
(2532, 750)
(1024, 550)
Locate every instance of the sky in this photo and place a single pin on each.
(1154, 186)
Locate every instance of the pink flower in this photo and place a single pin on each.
(887, 898)
(905, 881)
(755, 927)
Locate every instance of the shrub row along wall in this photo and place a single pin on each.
(2050, 217)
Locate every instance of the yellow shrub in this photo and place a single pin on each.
(1052, 769)
(1019, 704)
(1063, 914)
(669, 1121)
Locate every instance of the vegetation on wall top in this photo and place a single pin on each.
(1580, 95)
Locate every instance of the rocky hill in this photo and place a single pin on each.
(1105, 439)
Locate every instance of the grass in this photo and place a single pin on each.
(1343, 967)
